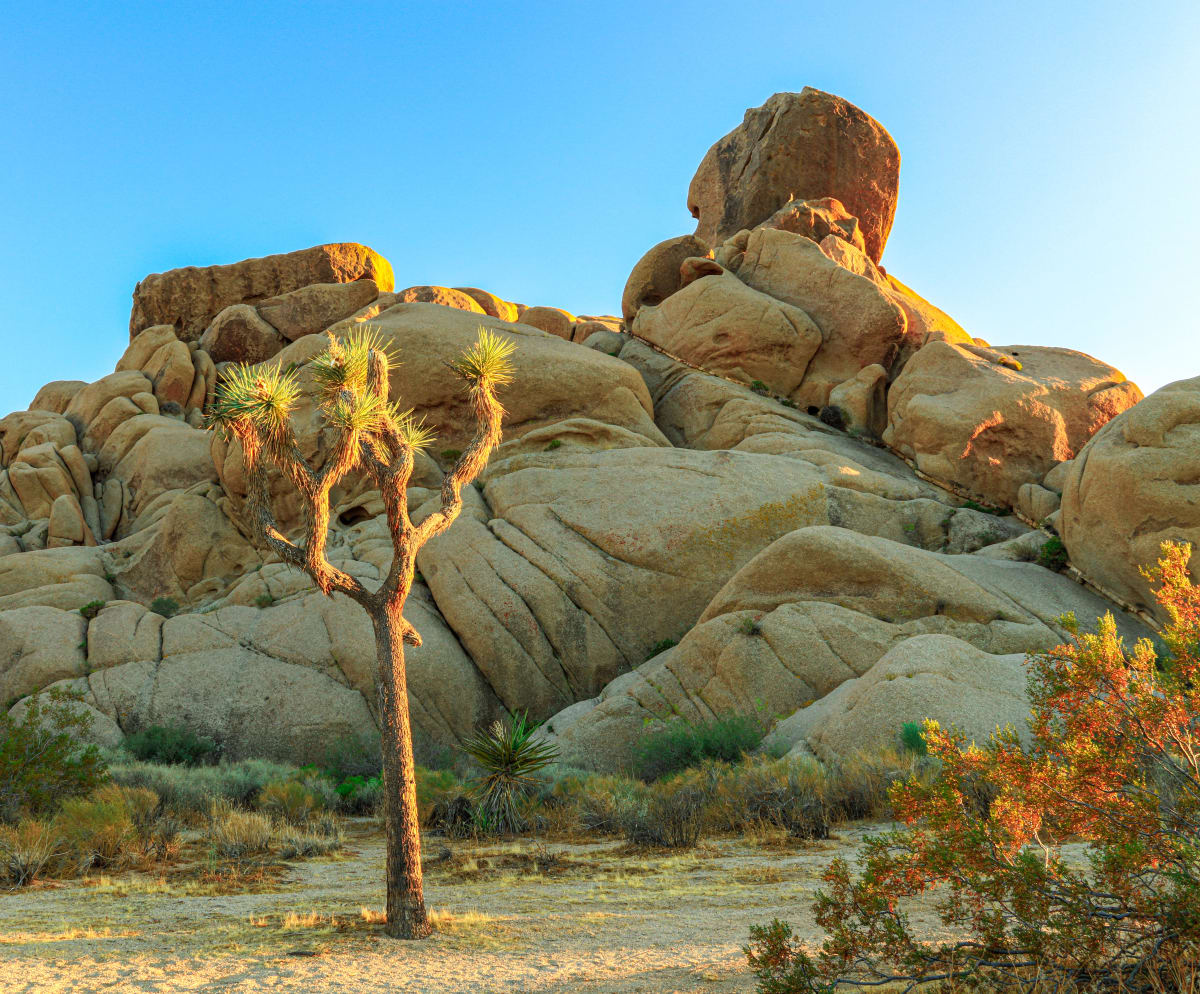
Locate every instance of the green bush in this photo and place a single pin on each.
(189, 791)
(681, 744)
(912, 738)
(172, 745)
(1053, 554)
(167, 607)
(353, 756)
(662, 646)
(792, 795)
(41, 760)
(91, 609)
(362, 795)
(98, 831)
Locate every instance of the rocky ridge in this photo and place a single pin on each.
(770, 486)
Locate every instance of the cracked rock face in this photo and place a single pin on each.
(691, 513)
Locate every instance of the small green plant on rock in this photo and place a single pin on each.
(661, 646)
(759, 387)
(166, 607)
(1053, 554)
(555, 443)
(750, 626)
(264, 600)
(91, 609)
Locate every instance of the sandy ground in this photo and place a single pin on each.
(521, 917)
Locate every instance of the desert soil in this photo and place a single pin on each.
(528, 916)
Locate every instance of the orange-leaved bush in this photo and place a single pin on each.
(1071, 864)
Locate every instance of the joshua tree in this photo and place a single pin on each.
(254, 405)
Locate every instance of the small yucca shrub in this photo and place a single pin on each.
(511, 759)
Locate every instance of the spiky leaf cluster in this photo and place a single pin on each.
(488, 361)
(510, 758)
(254, 401)
(344, 365)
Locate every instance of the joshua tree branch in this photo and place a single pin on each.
(488, 414)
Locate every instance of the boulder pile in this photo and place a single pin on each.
(780, 482)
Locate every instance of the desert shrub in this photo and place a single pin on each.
(297, 844)
(188, 792)
(1113, 765)
(750, 626)
(41, 759)
(290, 801)
(860, 785)
(759, 387)
(264, 600)
(91, 609)
(912, 738)
(661, 646)
(238, 835)
(26, 848)
(97, 831)
(598, 805)
(792, 795)
(452, 816)
(668, 814)
(353, 756)
(778, 960)
(511, 759)
(362, 795)
(172, 745)
(1053, 554)
(161, 843)
(681, 744)
(166, 607)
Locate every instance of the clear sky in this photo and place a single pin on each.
(1049, 188)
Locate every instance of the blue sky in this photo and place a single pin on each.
(1048, 190)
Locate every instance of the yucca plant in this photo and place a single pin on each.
(254, 405)
(511, 759)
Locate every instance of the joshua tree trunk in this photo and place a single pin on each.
(406, 916)
(254, 405)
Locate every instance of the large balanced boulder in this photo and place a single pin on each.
(798, 146)
(191, 297)
(1135, 485)
(990, 420)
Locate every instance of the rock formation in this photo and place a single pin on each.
(746, 494)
